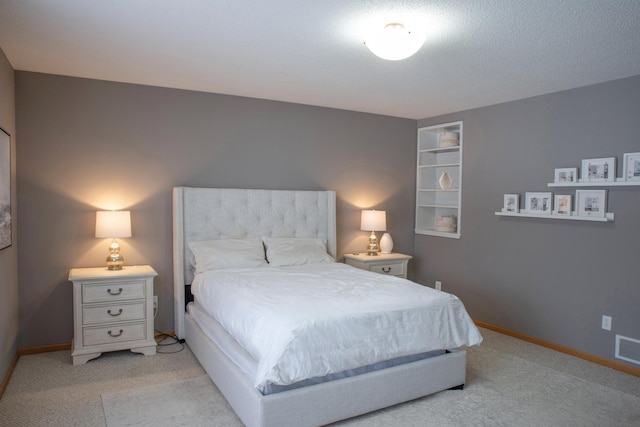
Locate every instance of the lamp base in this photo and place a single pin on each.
(373, 248)
(115, 261)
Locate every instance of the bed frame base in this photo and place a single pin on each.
(327, 402)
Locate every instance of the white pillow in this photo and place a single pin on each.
(227, 253)
(283, 251)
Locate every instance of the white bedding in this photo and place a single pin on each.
(311, 320)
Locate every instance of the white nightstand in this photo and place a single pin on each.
(113, 310)
(391, 264)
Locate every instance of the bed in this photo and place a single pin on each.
(247, 215)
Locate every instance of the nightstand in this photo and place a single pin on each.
(391, 264)
(112, 310)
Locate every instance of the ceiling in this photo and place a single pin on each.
(477, 53)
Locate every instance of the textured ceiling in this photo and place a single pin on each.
(478, 52)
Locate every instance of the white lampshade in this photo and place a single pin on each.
(394, 42)
(113, 224)
(373, 220)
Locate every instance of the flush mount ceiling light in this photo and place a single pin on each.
(394, 42)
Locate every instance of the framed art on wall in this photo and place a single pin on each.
(591, 202)
(631, 170)
(599, 170)
(5, 190)
(566, 175)
(562, 204)
(538, 203)
(511, 203)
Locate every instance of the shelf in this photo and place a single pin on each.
(617, 183)
(433, 203)
(438, 233)
(438, 206)
(608, 218)
(440, 149)
(441, 165)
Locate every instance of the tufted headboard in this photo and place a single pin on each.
(226, 213)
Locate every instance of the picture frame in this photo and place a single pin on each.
(5, 190)
(591, 203)
(540, 203)
(599, 170)
(631, 167)
(562, 204)
(566, 175)
(511, 203)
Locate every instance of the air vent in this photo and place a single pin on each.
(628, 349)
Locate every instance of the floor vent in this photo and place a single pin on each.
(628, 349)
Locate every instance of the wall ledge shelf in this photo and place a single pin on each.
(617, 183)
(608, 218)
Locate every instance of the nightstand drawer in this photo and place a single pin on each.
(112, 291)
(113, 313)
(114, 334)
(396, 269)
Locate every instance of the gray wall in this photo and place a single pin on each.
(88, 145)
(8, 256)
(549, 279)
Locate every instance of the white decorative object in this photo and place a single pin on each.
(448, 139)
(386, 243)
(445, 181)
(446, 223)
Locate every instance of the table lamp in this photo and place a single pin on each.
(113, 224)
(373, 221)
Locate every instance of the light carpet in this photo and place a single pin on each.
(502, 390)
(192, 402)
(509, 383)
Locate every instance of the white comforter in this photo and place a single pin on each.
(308, 321)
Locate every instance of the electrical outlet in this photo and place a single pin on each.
(438, 285)
(155, 303)
(606, 322)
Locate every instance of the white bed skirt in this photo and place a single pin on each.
(329, 402)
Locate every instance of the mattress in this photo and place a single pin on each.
(248, 366)
(313, 320)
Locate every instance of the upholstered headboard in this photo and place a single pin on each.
(226, 213)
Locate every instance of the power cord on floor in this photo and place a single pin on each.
(164, 339)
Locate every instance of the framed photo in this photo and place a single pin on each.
(562, 204)
(599, 170)
(566, 175)
(511, 203)
(538, 203)
(591, 202)
(5, 190)
(631, 170)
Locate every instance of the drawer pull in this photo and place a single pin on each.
(114, 293)
(114, 336)
(114, 315)
(386, 269)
